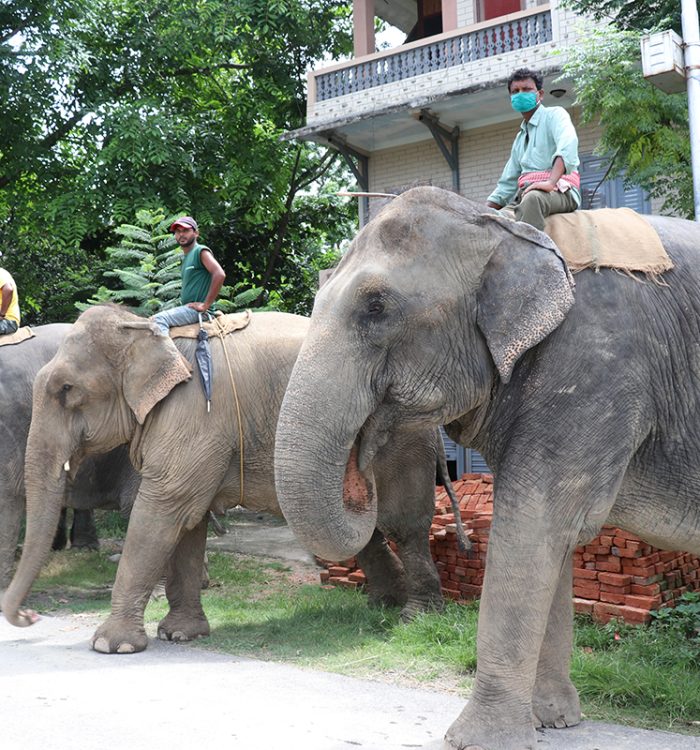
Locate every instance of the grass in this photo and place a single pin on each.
(647, 677)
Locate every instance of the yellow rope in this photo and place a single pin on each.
(235, 398)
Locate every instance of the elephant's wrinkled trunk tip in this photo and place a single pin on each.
(343, 527)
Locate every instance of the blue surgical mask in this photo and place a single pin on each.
(523, 101)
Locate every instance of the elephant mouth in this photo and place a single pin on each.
(357, 487)
(373, 435)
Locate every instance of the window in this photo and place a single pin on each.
(608, 193)
(489, 9)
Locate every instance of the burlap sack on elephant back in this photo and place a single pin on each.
(618, 238)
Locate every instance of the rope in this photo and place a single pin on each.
(235, 398)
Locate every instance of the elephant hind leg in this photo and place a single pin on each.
(423, 581)
(83, 532)
(186, 619)
(386, 577)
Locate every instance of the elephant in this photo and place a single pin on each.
(581, 392)
(114, 381)
(104, 481)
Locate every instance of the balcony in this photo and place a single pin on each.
(387, 98)
(486, 40)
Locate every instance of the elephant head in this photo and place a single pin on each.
(109, 372)
(434, 302)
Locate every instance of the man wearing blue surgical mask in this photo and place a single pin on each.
(540, 177)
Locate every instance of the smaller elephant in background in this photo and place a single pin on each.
(102, 482)
(114, 382)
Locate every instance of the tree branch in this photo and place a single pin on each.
(283, 223)
(208, 69)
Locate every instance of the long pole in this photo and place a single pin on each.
(691, 44)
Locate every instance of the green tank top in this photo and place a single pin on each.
(196, 280)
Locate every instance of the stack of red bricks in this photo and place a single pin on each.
(617, 575)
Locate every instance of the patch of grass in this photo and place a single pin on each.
(77, 581)
(110, 524)
(650, 674)
(647, 677)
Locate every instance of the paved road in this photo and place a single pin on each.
(57, 694)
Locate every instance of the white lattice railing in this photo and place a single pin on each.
(443, 52)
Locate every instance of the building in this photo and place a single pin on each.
(434, 109)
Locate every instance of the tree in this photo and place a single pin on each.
(632, 14)
(644, 131)
(119, 105)
(146, 267)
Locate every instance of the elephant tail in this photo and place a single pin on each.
(463, 541)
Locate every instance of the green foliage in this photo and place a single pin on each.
(146, 265)
(683, 622)
(632, 14)
(644, 130)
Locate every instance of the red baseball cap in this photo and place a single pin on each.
(184, 221)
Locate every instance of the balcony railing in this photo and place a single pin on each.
(444, 52)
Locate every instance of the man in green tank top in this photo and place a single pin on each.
(202, 278)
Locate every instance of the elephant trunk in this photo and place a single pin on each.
(330, 505)
(45, 489)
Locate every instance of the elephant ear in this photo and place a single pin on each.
(153, 367)
(526, 291)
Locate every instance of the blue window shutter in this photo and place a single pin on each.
(609, 193)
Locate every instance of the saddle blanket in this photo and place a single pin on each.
(21, 334)
(618, 238)
(221, 325)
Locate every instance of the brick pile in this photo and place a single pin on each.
(616, 575)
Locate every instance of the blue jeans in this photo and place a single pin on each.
(177, 316)
(7, 326)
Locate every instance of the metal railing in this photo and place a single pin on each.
(444, 52)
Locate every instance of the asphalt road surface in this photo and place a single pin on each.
(57, 694)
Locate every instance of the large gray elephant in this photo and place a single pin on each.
(102, 482)
(585, 402)
(114, 381)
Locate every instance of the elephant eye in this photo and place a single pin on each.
(375, 307)
(66, 387)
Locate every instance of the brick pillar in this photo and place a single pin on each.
(363, 27)
(449, 15)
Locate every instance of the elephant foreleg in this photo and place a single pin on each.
(9, 535)
(60, 539)
(147, 549)
(555, 701)
(523, 567)
(405, 476)
(186, 619)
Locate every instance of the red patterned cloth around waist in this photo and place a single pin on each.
(565, 182)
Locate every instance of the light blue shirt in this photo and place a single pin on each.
(548, 134)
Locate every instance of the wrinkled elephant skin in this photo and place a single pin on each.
(115, 382)
(584, 399)
(102, 482)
